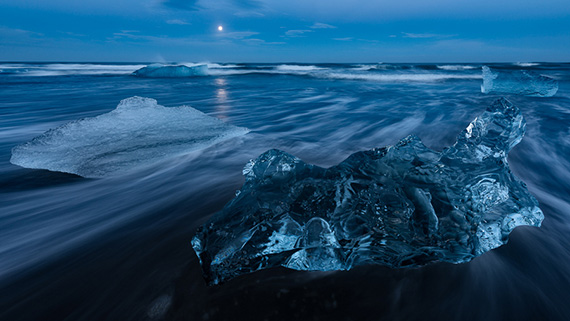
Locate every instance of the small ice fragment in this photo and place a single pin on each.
(518, 82)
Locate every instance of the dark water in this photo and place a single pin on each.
(118, 248)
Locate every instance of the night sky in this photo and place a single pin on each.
(285, 31)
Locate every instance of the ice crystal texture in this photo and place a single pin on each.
(518, 82)
(398, 206)
(138, 132)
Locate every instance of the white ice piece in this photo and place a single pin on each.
(138, 132)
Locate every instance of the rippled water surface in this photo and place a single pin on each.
(118, 248)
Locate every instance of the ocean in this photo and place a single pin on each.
(118, 247)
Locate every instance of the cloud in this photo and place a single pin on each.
(248, 14)
(177, 22)
(73, 34)
(163, 40)
(12, 37)
(195, 5)
(137, 36)
(247, 4)
(368, 40)
(238, 35)
(131, 34)
(338, 11)
(296, 33)
(190, 5)
(256, 41)
(219, 39)
(7, 32)
(319, 25)
(423, 35)
(356, 39)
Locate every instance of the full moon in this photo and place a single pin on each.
(220, 28)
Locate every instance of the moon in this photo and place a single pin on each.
(220, 28)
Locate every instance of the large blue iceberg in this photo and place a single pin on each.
(138, 132)
(398, 206)
(171, 71)
(518, 82)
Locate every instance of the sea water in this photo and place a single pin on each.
(118, 247)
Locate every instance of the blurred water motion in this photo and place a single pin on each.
(118, 248)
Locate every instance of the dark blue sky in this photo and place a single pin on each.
(285, 31)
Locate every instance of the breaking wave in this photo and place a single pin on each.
(399, 77)
(526, 64)
(365, 72)
(40, 70)
(456, 67)
(298, 68)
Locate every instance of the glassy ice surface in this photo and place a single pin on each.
(519, 82)
(166, 71)
(399, 206)
(138, 132)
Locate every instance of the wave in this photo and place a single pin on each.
(280, 69)
(61, 69)
(366, 72)
(364, 67)
(298, 68)
(234, 72)
(526, 64)
(222, 66)
(351, 74)
(68, 69)
(456, 67)
(401, 77)
(380, 66)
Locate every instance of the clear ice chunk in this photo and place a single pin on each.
(398, 206)
(169, 71)
(138, 132)
(518, 82)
